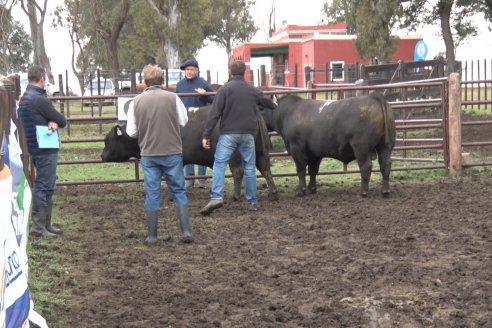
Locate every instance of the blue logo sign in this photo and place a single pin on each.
(420, 51)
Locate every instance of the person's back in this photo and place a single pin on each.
(155, 112)
(235, 106)
(155, 120)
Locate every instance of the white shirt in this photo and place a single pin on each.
(131, 124)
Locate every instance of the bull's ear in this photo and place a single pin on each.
(118, 130)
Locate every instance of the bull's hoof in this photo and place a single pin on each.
(301, 193)
(311, 190)
(273, 196)
(363, 194)
(385, 193)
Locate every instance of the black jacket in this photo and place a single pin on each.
(235, 106)
(36, 109)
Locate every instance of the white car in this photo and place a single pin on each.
(107, 89)
(174, 76)
(53, 90)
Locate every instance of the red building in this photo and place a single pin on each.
(327, 49)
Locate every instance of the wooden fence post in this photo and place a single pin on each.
(454, 125)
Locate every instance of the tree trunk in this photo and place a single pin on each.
(37, 34)
(444, 9)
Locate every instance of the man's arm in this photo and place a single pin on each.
(46, 108)
(131, 124)
(181, 111)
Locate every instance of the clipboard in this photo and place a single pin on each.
(46, 140)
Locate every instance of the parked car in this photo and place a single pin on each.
(53, 90)
(107, 89)
(174, 76)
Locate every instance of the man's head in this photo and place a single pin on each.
(190, 67)
(237, 67)
(153, 75)
(36, 75)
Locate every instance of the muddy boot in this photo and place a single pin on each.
(38, 218)
(184, 223)
(151, 227)
(50, 227)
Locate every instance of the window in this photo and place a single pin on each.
(337, 71)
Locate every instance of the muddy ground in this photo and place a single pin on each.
(421, 258)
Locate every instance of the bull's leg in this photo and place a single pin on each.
(263, 165)
(384, 158)
(301, 174)
(365, 166)
(236, 167)
(313, 169)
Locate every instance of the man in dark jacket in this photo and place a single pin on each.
(192, 83)
(35, 109)
(235, 106)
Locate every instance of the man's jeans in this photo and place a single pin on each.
(226, 145)
(190, 171)
(45, 180)
(156, 167)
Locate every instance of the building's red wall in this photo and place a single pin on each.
(319, 53)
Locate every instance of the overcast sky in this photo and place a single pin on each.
(297, 12)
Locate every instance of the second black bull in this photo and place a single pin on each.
(360, 128)
(119, 147)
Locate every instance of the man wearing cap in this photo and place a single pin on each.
(192, 83)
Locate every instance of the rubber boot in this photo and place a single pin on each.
(184, 223)
(151, 227)
(50, 227)
(38, 218)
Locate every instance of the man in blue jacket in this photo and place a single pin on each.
(36, 109)
(192, 83)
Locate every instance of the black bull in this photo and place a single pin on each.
(119, 147)
(350, 129)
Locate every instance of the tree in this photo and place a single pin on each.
(109, 17)
(16, 47)
(69, 17)
(36, 14)
(168, 31)
(374, 37)
(453, 16)
(232, 25)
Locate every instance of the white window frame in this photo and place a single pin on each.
(333, 63)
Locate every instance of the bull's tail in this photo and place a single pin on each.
(264, 140)
(389, 119)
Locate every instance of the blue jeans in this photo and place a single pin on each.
(226, 145)
(156, 167)
(190, 171)
(45, 180)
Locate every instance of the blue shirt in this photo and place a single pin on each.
(189, 86)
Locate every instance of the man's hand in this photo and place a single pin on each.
(52, 127)
(200, 90)
(206, 143)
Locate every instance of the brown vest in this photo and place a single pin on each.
(157, 123)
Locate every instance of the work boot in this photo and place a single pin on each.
(38, 218)
(49, 227)
(151, 227)
(253, 206)
(184, 223)
(212, 205)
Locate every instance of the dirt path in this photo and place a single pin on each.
(422, 258)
